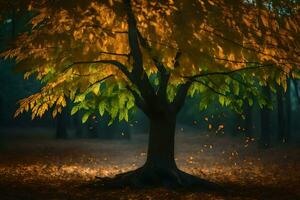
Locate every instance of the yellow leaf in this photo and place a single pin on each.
(91, 37)
(54, 113)
(264, 20)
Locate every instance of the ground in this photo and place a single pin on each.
(44, 168)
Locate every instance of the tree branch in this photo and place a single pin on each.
(139, 101)
(115, 63)
(133, 41)
(180, 97)
(177, 57)
(211, 88)
(101, 80)
(103, 29)
(244, 47)
(114, 54)
(147, 46)
(226, 72)
(138, 74)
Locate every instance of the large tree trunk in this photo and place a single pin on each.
(161, 142)
(160, 168)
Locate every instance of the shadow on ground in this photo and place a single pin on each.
(79, 190)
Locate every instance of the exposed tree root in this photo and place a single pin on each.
(149, 177)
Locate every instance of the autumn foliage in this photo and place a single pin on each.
(225, 48)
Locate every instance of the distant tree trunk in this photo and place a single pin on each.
(106, 132)
(280, 115)
(1, 111)
(93, 128)
(284, 113)
(296, 84)
(61, 125)
(237, 126)
(78, 126)
(288, 112)
(248, 120)
(265, 135)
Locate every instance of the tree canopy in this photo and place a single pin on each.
(113, 55)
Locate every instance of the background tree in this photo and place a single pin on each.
(61, 124)
(115, 56)
(265, 121)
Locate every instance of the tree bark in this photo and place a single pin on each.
(161, 142)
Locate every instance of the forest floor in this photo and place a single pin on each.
(59, 169)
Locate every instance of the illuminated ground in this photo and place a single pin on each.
(49, 169)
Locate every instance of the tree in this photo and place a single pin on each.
(265, 122)
(115, 56)
(61, 125)
(281, 115)
(288, 111)
(284, 113)
(248, 121)
(78, 126)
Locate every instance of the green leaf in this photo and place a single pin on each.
(126, 116)
(130, 104)
(74, 110)
(202, 106)
(111, 121)
(227, 101)
(96, 89)
(236, 89)
(262, 102)
(222, 100)
(171, 92)
(122, 100)
(192, 89)
(72, 94)
(114, 111)
(102, 107)
(79, 98)
(123, 114)
(85, 117)
(250, 101)
(156, 81)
